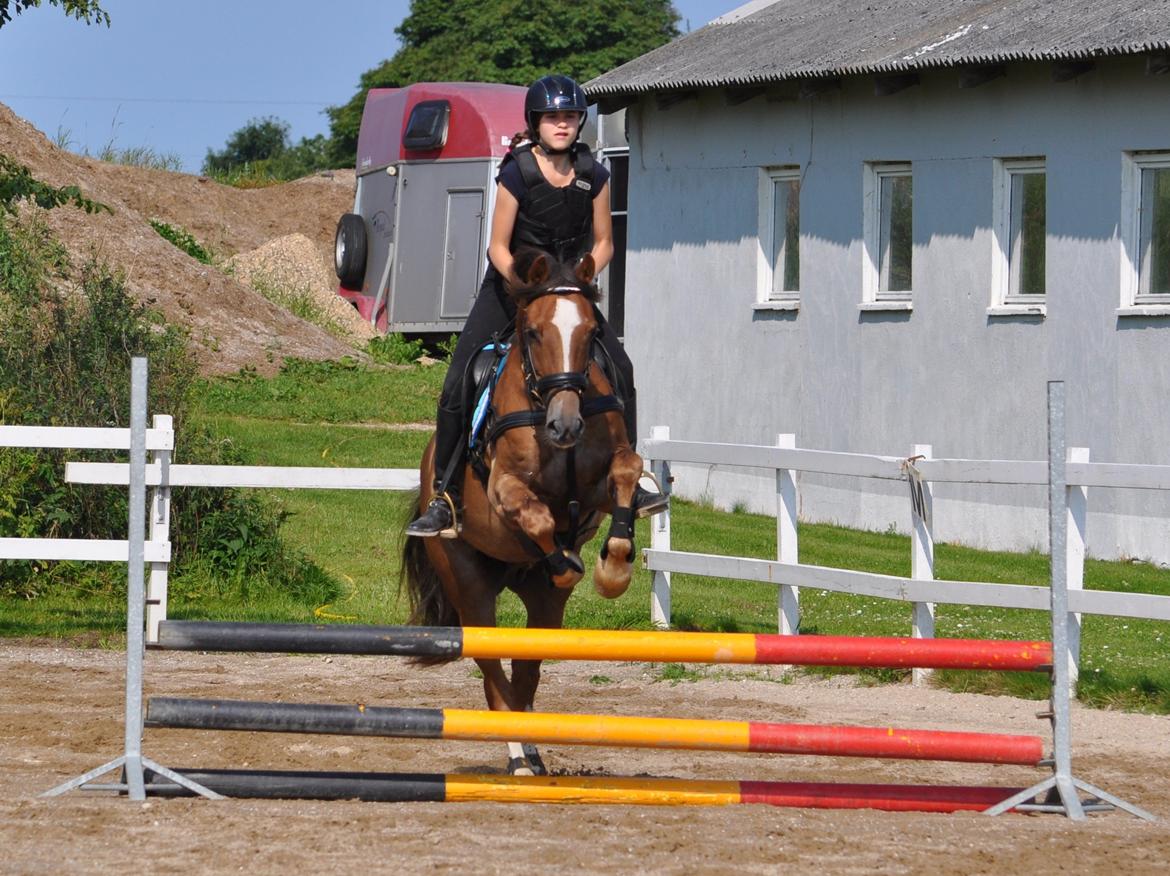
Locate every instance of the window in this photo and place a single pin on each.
(1145, 232)
(427, 126)
(779, 273)
(1020, 235)
(889, 235)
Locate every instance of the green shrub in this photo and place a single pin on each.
(183, 239)
(394, 349)
(66, 340)
(300, 301)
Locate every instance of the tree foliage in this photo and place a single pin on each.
(262, 148)
(508, 41)
(83, 10)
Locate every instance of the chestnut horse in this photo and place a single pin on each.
(557, 459)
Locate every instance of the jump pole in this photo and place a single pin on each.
(605, 790)
(606, 645)
(607, 730)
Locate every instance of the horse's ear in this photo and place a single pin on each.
(538, 271)
(586, 269)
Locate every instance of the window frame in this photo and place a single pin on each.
(766, 297)
(1003, 300)
(1135, 302)
(872, 296)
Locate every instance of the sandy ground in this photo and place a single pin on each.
(61, 715)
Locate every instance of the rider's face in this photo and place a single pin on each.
(558, 130)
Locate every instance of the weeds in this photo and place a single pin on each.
(394, 349)
(183, 239)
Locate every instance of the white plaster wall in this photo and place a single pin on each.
(945, 374)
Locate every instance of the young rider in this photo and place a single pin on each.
(551, 195)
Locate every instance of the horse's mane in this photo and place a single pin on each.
(560, 276)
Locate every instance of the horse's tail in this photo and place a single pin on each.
(429, 606)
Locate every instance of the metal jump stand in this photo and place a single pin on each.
(133, 761)
(1061, 786)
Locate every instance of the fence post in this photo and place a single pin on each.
(787, 549)
(160, 532)
(922, 559)
(1077, 498)
(660, 537)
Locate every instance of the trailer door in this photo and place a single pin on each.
(461, 251)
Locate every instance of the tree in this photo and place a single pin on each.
(509, 41)
(83, 10)
(261, 150)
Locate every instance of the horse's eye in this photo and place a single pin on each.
(531, 335)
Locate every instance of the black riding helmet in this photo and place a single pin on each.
(550, 94)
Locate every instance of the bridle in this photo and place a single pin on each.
(541, 388)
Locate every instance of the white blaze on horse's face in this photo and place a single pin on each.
(566, 318)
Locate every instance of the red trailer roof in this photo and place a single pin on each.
(484, 116)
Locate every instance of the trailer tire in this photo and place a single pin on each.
(349, 250)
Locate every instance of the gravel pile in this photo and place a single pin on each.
(293, 263)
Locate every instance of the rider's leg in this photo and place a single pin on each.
(646, 502)
(489, 315)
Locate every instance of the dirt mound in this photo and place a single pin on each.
(231, 325)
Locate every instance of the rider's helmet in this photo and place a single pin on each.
(550, 94)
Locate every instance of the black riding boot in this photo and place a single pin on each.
(439, 518)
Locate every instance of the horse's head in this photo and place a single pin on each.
(555, 327)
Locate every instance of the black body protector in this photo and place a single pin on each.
(556, 220)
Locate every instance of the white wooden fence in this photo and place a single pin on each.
(920, 589)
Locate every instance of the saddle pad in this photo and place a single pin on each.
(485, 388)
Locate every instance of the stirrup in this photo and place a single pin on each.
(451, 531)
(651, 503)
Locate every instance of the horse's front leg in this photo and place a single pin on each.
(523, 511)
(611, 575)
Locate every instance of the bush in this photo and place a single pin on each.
(66, 340)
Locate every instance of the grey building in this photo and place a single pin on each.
(890, 223)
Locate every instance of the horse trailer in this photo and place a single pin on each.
(411, 255)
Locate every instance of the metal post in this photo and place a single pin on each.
(1061, 786)
(660, 538)
(132, 760)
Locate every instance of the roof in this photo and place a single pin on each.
(761, 42)
(484, 116)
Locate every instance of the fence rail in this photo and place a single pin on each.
(921, 589)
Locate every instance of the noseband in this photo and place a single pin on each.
(542, 389)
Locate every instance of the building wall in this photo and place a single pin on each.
(713, 368)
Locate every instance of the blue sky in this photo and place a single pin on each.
(182, 77)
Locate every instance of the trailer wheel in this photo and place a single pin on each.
(349, 250)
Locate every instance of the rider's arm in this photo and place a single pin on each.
(503, 223)
(602, 229)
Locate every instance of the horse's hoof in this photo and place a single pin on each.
(535, 761)
(611, 578)
(519, 766)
